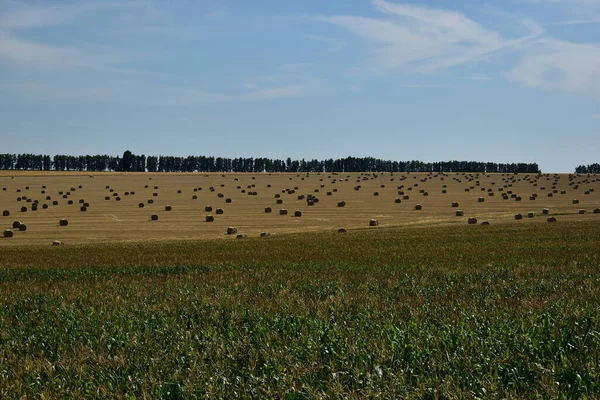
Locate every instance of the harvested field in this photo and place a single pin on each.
(316, 196)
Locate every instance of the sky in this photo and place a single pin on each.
(501, 81)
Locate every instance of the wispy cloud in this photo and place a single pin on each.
(189, 97)
(25, 16)
(51, 57)
(419, 39)
(569, 2)
(479, 77)
(333, 44)
(580, 21)
(46, 91)
(560, 65)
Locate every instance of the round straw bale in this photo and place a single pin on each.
(240, 236)
(264, 234)
(268, 210)
(373, 222)
(279, 201)
(485, 223)
(55, 203)
(168, 208)
(22, 227)
(208, 208)
(596, 210)
(220, 195)
(45, 206)
(106, 197)
(342, 230)
(582, 211)
(530, 214)
(154, 217)
(219, 211)
(518, 216)
(63, 222)
(5, 213)
(454, 204)
(231, 230)
(23, 209)
(227, 200)
(575, 201)
(83, 209)
(8, 233)
(376, 194)
(472, 221)
(551, 219)
(16, 224)
(405, 197)
(480, 199)
(418, 207)
(460, 213)
(545, 211)
(283, 211)
(57, 243)
(194, 197)
(210, 218)
(397, 200)
(297, 213)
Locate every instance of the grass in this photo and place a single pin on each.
(506, 311)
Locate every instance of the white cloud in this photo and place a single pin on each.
(560, 65)
(419, 39)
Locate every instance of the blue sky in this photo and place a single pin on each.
(505, 81)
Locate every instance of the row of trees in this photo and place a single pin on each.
(588, 169)
(141, 163)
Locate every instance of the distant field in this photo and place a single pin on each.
(117, 221)
(455, 311)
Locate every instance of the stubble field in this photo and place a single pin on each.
(113, 210)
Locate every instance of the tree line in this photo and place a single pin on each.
(588, 169)
(130, 162)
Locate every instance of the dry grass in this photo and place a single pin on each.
(120, 221)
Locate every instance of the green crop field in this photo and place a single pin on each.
(501, 311)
